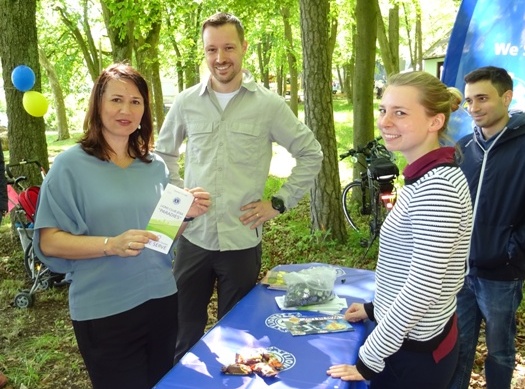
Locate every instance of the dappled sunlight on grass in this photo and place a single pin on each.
(55, 146)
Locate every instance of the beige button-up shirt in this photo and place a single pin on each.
(228, 153)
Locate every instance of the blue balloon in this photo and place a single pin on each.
(23, 78)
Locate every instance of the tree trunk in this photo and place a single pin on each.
(58, 95)
(366, 15)
(147, 54)
(19, 46)
(411, 46)
(350, 69)
(333, 36)
(263, 55)
(178, 62)
(157, 96)
(121, 37)
(325, 204)
(419, 37)
(280, 81)
(388, 49)
(393, 35)
(292, 61)
(85, 42)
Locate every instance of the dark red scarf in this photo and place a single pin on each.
(437, 157)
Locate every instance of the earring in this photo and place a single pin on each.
(139, 127)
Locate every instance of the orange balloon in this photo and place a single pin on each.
(35, 103)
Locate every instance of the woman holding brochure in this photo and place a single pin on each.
(94, 207)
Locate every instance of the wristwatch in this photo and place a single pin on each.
(278, 204)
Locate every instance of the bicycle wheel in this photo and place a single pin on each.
(356, 205)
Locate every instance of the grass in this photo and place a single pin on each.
(55, 146)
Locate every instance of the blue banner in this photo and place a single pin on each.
(486, 32)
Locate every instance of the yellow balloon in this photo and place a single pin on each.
(35, 103)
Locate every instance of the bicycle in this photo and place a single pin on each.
(367, 200)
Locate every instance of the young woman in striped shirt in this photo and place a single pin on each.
(423, 247)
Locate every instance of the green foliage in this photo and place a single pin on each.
(272, 186)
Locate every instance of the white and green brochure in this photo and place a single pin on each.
(168, 217)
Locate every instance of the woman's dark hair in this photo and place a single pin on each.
(140, 141)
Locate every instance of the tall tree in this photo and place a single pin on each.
(292, 59)
(19, 46)
(138, 24)
(413, 16)
(79, 26)
(119, 17)
(389, 44)
(264, 55)
(325, 207)
(183, 21)
(147, 53)
(419, 36)
(347, 49)
(366, 16)
(62, 65)
(58, 96)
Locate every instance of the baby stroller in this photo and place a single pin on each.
(23, 201)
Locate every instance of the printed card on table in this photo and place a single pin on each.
(168, 217)
(317, 325)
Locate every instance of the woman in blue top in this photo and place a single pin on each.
(93, 209)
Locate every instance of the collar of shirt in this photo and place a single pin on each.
(437, 157)
(248, 82)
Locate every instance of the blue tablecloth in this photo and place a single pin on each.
(256, 321)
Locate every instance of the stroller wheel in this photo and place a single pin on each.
(45, 284)
(23, 300)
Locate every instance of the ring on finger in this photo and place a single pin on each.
(257, 214)
(129, 245)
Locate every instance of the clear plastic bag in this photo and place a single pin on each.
(309, 286)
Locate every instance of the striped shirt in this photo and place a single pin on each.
(423, 248)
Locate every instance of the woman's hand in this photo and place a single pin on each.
(130, 243)
(356, 312)
(345, 372)
(62, 244)
(201, 202)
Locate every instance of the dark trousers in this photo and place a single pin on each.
(196, 271)
(416, 370)
(133, 349)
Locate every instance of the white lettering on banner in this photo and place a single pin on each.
(506, 49)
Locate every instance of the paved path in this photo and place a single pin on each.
(282, 164)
